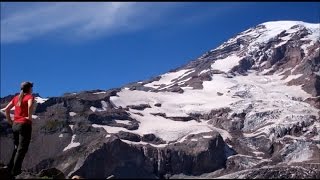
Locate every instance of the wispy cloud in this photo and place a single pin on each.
(80, 20)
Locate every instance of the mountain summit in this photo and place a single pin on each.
(246, 109)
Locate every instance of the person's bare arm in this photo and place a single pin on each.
(30, 108)
(7, 110)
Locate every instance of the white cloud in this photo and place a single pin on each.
(80, 20)
(83, 19)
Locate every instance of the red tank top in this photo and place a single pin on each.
(21, 112)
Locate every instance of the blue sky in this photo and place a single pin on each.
(75, 46)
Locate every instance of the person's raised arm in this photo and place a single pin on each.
(7, 110)
(30, 108)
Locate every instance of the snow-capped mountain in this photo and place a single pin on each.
(246, 109)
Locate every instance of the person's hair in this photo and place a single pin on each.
(25, 88)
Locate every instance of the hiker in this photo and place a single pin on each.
(21, 125)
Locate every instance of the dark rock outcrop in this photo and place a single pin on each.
(151, 138)
(139, 107)
(108, 116)
(157, 105)
(129, 136)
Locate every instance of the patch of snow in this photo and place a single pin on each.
(127, 122)
(265, 71)
(110, 129)
(179, 83)
(207, 137)
(264, 63)
(108, 135)
(104, 107)
(204, 71)
(243, 155)
(294, 137)
(40, 100)
(227, 63)
(72, 143)
(143, 143)
(293, 69)
(186, 74)
(34, 116)
(93, 109)
(183, 81)
(102, 92)
(193, 139)
(191, 101)
(291, 77)
(183, 138)
(72, 113)
(184, 88)
(61, 135)
(225, 134)
(251, 135)
(166, 129)
(258, 153)
(274, 28)
(167, 78)
(280, 44)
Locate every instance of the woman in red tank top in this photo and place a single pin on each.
(21, 125)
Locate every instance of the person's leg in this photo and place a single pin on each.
(24, 141)
(15, 129)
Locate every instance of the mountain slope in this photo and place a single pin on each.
(251, 103)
